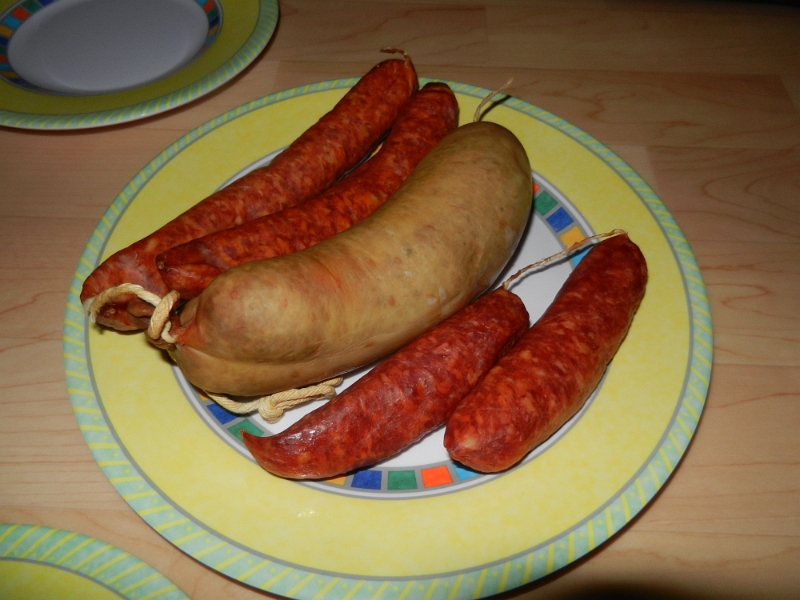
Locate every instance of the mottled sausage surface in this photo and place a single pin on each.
(546, 378)
(300, 318)
(425, 119)
(402, 399)
(312, 163)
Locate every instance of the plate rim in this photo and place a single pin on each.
(671, 447)
(251, 48)
(20, 541)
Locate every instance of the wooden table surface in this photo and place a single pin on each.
(702, 98)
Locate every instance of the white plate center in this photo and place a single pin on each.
(105, 46)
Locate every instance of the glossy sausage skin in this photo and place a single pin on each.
(296, 319)
(425, 119)
(312, 163)
(402, 399)
(546, 378)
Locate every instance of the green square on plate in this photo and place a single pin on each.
(247, 426)
(401, 480)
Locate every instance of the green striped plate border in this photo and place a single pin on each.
(109, 567)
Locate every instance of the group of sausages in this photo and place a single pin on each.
(385, 261)
(500, 386)
(310, 165)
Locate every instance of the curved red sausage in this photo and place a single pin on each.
(403, 398)
(545, 379)
(309, 165)
(425, 119)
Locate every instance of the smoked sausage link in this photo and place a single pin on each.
(439, 242)
(312, 163)
(546, 378)
(425, 119)
(402, 399)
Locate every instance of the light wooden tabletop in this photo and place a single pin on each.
(701, 98)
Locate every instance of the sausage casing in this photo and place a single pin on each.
(546, 378)
(399, 401)
(312, 163)
(300, 318)
(425, 119)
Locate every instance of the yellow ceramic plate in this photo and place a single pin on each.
(44, 38)
(42, 562)
(417, 525)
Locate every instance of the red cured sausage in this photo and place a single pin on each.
(309, 165)
(425, 119)
(545, 379)
(408, 395)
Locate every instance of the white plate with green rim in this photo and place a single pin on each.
(417, 526)
(42, 562)
(73, 64)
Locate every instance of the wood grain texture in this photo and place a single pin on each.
(702, 98)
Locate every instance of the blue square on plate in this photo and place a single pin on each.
(464, 473)
(576, 258)
(367, 480)
(11, 22)
(559, 220)
(220, 414)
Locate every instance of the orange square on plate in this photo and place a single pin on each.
(435, 476)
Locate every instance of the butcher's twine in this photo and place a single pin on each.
(573, 248)
(477, 116)
(272, 407)
(158, 329)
